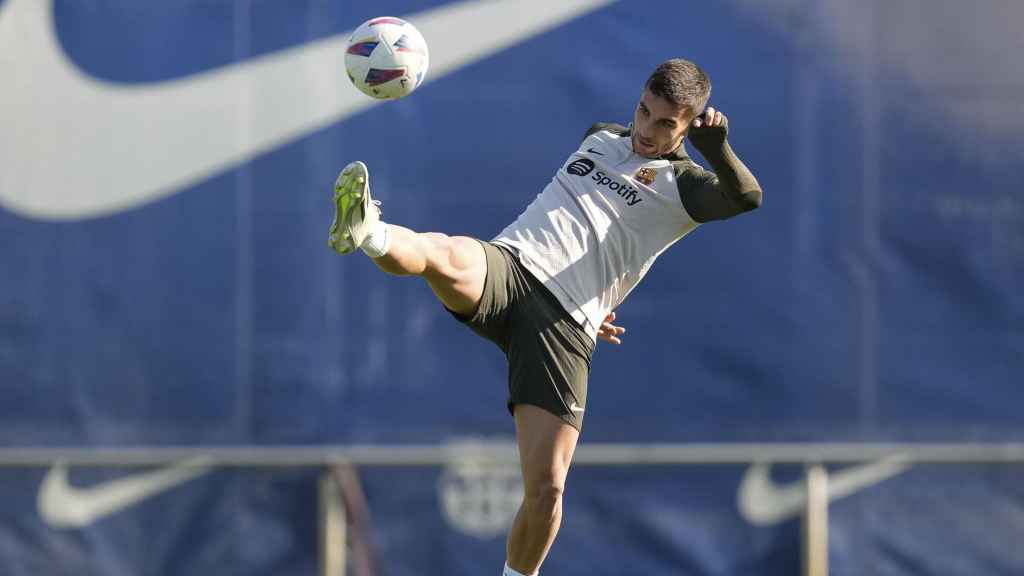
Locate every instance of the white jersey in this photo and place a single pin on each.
(591, 235)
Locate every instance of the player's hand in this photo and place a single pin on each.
(709, 130)
(610, 332)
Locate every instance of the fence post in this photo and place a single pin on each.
(815, 525)
(332, 527)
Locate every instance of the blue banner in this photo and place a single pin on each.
(165, 185)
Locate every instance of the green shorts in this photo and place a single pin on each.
(548, 352)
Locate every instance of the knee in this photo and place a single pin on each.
(459, 252)
(543, 493)
(438, 252)
(451, 256)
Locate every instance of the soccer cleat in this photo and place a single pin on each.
(355, 212)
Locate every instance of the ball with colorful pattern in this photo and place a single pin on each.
(386, 58)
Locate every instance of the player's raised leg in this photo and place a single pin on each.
(455, 267)
(546, 445)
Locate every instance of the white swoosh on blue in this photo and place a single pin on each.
(76, 147)
(762, 502)
(64, 506)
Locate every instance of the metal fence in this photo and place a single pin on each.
(338, 505)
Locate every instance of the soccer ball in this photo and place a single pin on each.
(386, 58)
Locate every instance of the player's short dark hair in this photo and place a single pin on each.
(682, 83)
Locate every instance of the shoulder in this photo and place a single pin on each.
(685, 166)
(617, 129)
(690, 175)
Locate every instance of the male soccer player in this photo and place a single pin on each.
(545, 288)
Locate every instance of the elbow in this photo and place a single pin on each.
(752, 199)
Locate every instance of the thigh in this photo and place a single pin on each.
(546, 445)
(549, 358)
(458, 277)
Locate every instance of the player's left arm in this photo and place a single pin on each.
(731, 188)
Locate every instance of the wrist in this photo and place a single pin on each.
(712, 148)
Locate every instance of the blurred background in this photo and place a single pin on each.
(167, 298)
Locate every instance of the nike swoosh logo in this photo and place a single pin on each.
(762, 502)
(576, 407)
(83, 147)
(64, 506)
(592, 151)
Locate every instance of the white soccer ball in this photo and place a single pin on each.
(386, 58)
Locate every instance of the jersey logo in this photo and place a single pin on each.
(580, 167)
(646, 175)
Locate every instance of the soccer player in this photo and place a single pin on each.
(545, 289)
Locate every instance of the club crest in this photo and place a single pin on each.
(646, 175)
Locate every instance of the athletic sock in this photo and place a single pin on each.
(377, 241)
(510, 572)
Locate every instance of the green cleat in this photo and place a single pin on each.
(355, 212)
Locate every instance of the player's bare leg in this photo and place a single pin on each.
(546, 445)
(455, 267)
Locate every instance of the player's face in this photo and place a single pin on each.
(658, 125)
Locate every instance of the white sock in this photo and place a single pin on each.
(510, 572)
(377, 241)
